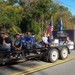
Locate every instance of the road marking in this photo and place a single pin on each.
(48, 65)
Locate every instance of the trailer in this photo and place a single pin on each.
(50, 54)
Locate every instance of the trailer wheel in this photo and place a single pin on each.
(64, 53)
(53, 55)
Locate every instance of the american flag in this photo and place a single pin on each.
(50, 27)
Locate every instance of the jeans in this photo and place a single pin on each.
(4, 48)
(35, 45)
(28, 45)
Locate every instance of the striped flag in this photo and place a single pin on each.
(50, 27)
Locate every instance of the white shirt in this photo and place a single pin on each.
(45, 39)
(71, 45)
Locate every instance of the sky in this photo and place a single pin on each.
(70, 4)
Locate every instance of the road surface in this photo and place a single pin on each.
(67, 68)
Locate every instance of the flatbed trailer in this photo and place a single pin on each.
(50, 54)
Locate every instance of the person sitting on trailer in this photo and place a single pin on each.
(3, 46)
(22, 36)
(23, 40)
(8, 41)
(28, 39)
(69, 42)
(45, 40)
(17, 44)
(34, 41)
(50, 39)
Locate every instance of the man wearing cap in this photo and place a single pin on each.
(17, 44)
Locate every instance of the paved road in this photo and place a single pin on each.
(15, 68)
(67, 68)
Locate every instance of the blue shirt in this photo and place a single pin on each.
(33, 39)
(28, 39)
(23, 40)
(50, 40)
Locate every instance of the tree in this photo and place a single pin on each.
(33, 15)
(66, 16)
(10, 17)
(36, 12)
(12, 2)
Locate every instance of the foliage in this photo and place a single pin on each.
(36, 12)
(10, 16)
(33, 15)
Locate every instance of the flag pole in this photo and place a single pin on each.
(50, 27)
